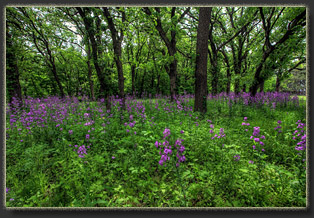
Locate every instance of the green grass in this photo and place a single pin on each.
(44, 171)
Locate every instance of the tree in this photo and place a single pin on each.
(169, 42)
(89, 27)
(201, 60)
(41, 33)
(218, 43)
(269, 47)
(78, 50)
(13, 31)
(117, 41)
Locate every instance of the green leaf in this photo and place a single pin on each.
(244, 170)
(122, 151)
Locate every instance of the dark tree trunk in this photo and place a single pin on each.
(142, 85)
(170, 44)
(261, 86)
(55, 75)
(228, 80)
(214, 62)
(201, 60)
(257, 79)
(237, 85)
(133, 78)
(158, 84)
(173, 77)
(300, 20)
(104, 88)
(91, 84)
(214, 73)
(35, 87)
(120, 74)
(152, 81)
(228, 71)
(12, 71)
(277, 84)
(117, 40)
(244, 88)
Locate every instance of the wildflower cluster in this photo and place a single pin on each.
(165, 149)
(278, 126)
(236, 157)
(257, 138)
(131, 124)
(301, 136)
(221, 133)
(245, 124)
(211, 131)
(81, 151)
(7, 191)
(180, 149)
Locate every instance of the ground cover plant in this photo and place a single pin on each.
(74, 152)
(215, 115)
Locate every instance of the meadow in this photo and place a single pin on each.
(244, 152)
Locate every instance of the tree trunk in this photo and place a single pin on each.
(12, 71)
(117, 40)
(91, 84)
(257, 78)
(170, 44)
(228, 80)
(173, 77)
(158, 84)
(55, 75)
(214, 73)
(133, 78)
(142, 85)
(228, 71)
(152, 82)
(277, 84)
(261, 86)
(300, 20)
(201, 60)
(237, 85)
(120, 73)
(101, 78)
(244, 88)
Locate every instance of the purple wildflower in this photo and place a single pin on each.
(166, 133)
(81, 151)
(236, 157)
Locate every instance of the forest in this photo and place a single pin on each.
(156, 106)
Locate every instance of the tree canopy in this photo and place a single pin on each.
(104, 51)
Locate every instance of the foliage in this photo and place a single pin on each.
(67, 153)
(57, 36)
